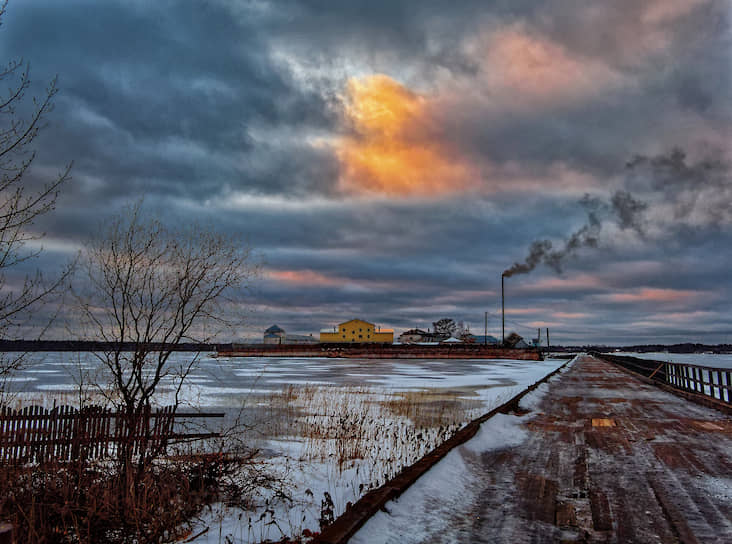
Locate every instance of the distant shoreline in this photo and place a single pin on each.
(688, 347)
(81, 345)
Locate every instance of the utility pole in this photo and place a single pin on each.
(485, 333)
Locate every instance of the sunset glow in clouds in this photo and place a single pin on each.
(389, 151)
(524, 70)
(389, 162)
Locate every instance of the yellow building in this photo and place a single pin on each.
(357, 330)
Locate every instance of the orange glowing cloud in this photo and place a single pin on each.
(304, 277)
(523, 311)
(571, 315)
(390, 151)
(652, 295)
(578, 282)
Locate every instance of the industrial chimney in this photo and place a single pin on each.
(503, 314)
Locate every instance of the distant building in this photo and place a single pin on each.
(277, 335)
(418, 336)
(481, 339)
(357, 331)
(515, 340)
(274, 335)
(300, 339)
(412, 336)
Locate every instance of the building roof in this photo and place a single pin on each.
(480, 339)
(274, 329)
(358, 320)
(419, 332)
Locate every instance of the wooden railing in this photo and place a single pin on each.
(711, 382)
(63, 433)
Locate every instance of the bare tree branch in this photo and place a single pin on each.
(21, 205)
(152, 287)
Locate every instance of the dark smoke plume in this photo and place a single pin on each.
(622, 207)
(684, 184)
(703, 187)
(628, 211)
(537, 252)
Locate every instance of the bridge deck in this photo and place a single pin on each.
(607, 459)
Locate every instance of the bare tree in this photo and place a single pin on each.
(21, 205)
(445, 327)
(147, 289)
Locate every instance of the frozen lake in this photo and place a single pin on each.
(227, 382)
(335, 426)
(296, 409)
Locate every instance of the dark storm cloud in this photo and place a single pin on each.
(167, 100)
(230, 113)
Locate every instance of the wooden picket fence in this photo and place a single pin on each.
(63, 433)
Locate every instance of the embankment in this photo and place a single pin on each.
(380, 351)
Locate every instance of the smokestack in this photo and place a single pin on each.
(485, 337)
(503, 313)
(547, 338)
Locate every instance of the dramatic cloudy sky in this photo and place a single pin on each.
(389, 160)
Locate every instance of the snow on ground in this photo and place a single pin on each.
(335, 426)
(427, 508)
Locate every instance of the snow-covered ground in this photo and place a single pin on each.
(324, 426)
(426, 508)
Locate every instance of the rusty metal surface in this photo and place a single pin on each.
(609, 459)
(381, 351)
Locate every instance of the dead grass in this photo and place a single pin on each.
(386, 430)
(86, 504)
(367, 435)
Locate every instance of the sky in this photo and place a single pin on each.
(391, 160)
